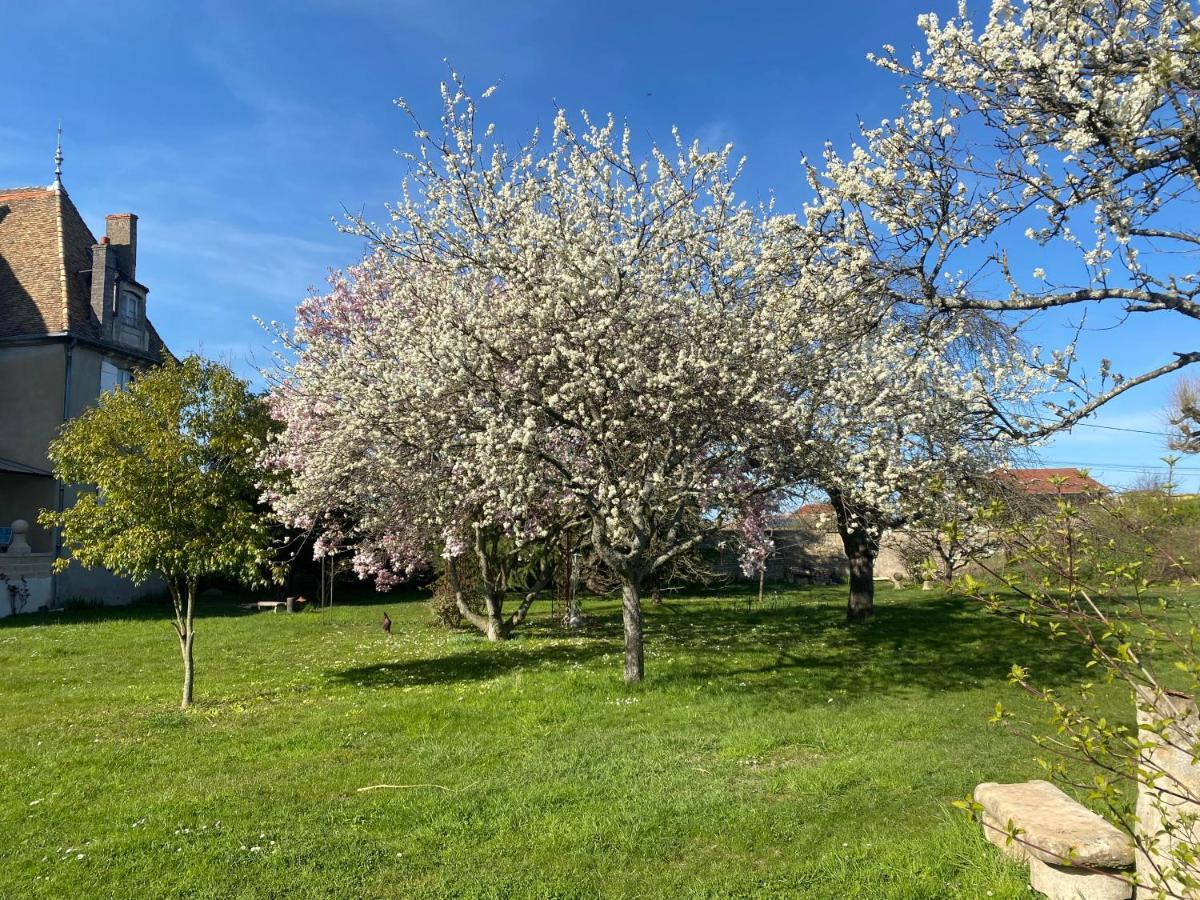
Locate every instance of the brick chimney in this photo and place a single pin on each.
(121, 229)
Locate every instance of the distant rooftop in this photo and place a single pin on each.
(1042, 482)
(813, 511)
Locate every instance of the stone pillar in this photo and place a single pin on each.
(1168, 811)
(20, 544)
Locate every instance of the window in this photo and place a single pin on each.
(112, 378)
(130, 308)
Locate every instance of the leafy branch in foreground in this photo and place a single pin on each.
(1078, 572)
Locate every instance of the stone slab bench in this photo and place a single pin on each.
(1073, 853)
(290, 604)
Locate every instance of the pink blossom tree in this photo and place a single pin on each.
(377, 438)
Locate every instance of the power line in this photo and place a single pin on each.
(1121, 467)
(1049, 421)
(1132, 430)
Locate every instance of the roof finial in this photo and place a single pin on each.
(58, 158)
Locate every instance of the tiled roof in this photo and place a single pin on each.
(33, 275)
(813, 511)
(45, 267)
(1050, 481)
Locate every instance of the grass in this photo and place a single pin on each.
(770, 753)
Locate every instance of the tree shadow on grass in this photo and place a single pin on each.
(803, 647)
(480, 662)
(942, 644)
(230, 604)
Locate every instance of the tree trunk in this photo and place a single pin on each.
(186, 638)
(860, 551)
(654, 585)
(861, 547)
(573, 618)
(574, 614)
(631, 614)
(497, 628)
(185, 648)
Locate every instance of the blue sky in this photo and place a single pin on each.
(237, 130)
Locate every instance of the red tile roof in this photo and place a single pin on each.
(1041, 482)
(813, 510)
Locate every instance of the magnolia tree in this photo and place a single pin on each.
(1073, 122)
(378, 439)
(616, 324)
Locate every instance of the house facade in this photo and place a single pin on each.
(73, 324)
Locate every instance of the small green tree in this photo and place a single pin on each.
(168, 479)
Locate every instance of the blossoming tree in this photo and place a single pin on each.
(1072, 122)
(1065, 122)
(377, 443)
(902, 432)
(615, 324)
(920, 401)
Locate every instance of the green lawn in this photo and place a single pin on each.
(769, 753)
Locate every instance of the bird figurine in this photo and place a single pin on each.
(387, 624)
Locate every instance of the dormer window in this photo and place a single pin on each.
(130, 308)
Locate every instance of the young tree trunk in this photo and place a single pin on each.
(186, 638)
(574, 615)
(631, 614)
(185, 648)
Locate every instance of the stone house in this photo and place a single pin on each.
(808, 549)
(73, 324)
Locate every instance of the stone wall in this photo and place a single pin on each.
(79, 585)
(30, 571)
(800, 548)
